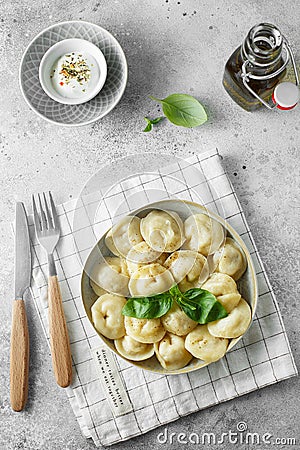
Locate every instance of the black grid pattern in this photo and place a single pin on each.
(261, 358)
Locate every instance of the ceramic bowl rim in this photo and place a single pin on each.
(70, 125)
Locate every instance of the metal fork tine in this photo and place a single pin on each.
(43, 216)
(46, 223)
(48, 213)
(54, 213)
(36, 215)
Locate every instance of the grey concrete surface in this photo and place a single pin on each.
(171, 46)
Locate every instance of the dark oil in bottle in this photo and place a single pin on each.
(263, 49)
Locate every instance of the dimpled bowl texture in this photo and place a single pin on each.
(97, 107)
(247, 284)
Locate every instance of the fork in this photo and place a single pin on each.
(47, 230)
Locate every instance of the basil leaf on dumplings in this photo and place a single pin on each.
(201, 306)
(175, 291)
(198, 304)
(151, 307)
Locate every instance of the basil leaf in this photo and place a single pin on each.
(198, 304)
(183, 110)
(216, 312)
(194, 293)
(175, 291)
(158, 119)
(151, 122)
(148, 126)
(148, 307)
(201, 306)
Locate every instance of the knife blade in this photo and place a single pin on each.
(19, 344)
(22, 252)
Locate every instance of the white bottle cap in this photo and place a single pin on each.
(286, 95)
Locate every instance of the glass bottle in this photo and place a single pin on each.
(257, 65)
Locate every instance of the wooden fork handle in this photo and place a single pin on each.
(59, 339)
(19, 356)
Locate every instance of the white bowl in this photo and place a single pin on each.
(66, 46)
(247, 284)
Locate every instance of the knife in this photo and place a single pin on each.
(19, 344)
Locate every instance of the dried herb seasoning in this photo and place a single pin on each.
(75, 69)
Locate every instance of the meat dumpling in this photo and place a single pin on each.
(163, 230)
(111, 275)
(124, 235)
(201, 344)
(107, 316)
(177, 322)
(189, 268)
(235, 324)
(171, 352)
(146, 331)
(142, 254)
(150, 279)
(224, 288)
(131, 349)
(203, 234)
(231, 260)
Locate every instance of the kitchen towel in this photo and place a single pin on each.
(112, 399)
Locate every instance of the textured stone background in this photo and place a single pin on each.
(171, 46)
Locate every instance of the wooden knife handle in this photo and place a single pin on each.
(59, 339)
(19, 356)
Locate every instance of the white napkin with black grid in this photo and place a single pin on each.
(111, 399)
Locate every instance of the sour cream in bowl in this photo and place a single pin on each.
(73, 71)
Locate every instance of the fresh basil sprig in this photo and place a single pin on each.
(148, 307)
(182, 110)
(198, 304)
(151, 122)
